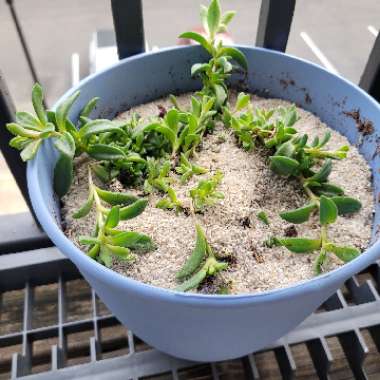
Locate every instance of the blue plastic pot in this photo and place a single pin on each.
(209, 327)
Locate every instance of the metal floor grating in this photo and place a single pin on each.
(53, 326)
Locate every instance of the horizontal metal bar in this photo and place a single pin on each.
(275, 21)
(19, 232)
(39, 267)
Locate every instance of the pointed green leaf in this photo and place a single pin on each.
(328, 211)
(63, 110)
(133, 240)
(122, 253)
(94, 251)
(116, 198)
(236, 55)
(263, 217)
(328, 189)
(300, 245)
(321, 259)
(323, 172)
(346, 205)
(198, 68)
(88, 240)
(242, 101)
(299, 215)
(27, 120)
(133, 210)
(98, 126)
(103, 152)
(37, 100)
(192, 282)
(213, 17)
(65, 144)
(284, 165)
(194, 261)
(19, 142)
(172, 119)
(88, 108)
(197, 38)
(113, 217)
(346, 254)
(227, 17)
(220, 95)
(18, 130)
(86, 207)
(105, 256)
(30, 150)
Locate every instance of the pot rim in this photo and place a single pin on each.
(107, 275)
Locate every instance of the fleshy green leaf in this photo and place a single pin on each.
(63, 175)
(65, 144)
(346, 205)
(37, 100)
(87, 109)
(27, 120)
(299, 215)
(236, 55)
(116, 198)
(192, 282)
(242, 101)
(284, 165)
(198, 68)
(94, 251)
(103, 152)
(121, 252)
(323, 172)
(227, 17)
(86, 207)
(300, 245)
(263, 217)
(133, 240)
(328, 211)
(18, 130)
(133, 210)
(346, 254)
(63, 109)
(194, 261)
(30, 150)
(113, 217)
(88, 240)
(213, 17)
(197, 38)
(98, 126)
(220, 95)
(318, 265)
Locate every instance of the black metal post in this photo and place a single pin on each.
(370, 79)
(274, 23)
(23, 42)
(129, 27)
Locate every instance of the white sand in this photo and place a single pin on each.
(249, 187)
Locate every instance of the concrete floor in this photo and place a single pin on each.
(342, 30)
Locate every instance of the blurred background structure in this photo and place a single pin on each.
(61, 36)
